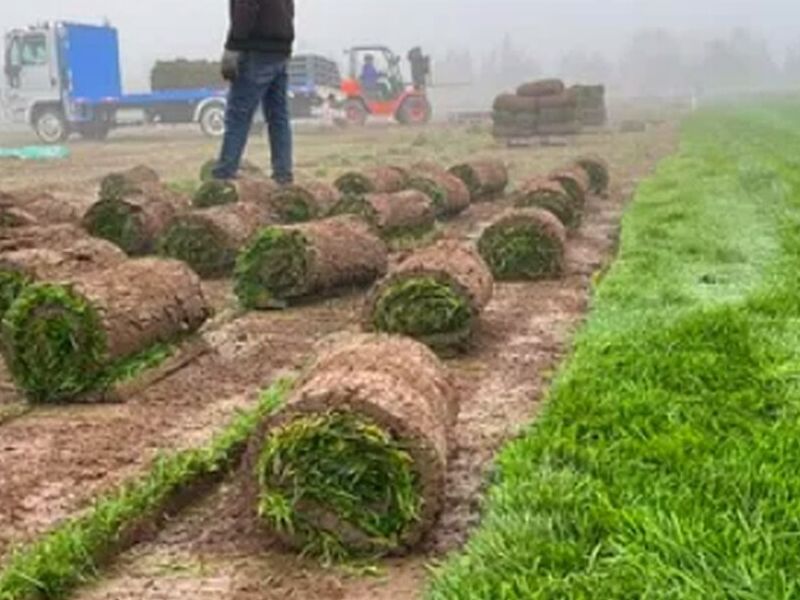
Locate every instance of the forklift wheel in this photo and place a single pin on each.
(355, 112)
(415, 110)
(50, 126)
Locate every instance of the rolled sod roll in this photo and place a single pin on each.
(135, 219)
(375, 180)
(209, 240)
(450, 195)
(51, 260)
(288, 262)
(63, 340)
(408, 213)
(485, 179)
(550, 195)
(305, 201)
(516, 104)
(247, 168)
(356, 462)
(598, 171)
(575, 181)
(115, 186)
(524, 244)
(545, 87)
(247, 189)
(22, 209)
(435, 295)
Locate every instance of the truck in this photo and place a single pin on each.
(65, 78)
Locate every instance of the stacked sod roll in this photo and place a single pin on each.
(374, 180)
(355, 464)
(525, 244)
(538, 108)
(63, 340)
(209, 240)
(550, 195)
(435, 295)
(450, 194)
(410, 213)
(485, 179)
(23, 209)
(133, 211)
(284, 263)
(592, 111)
(597, 169)
(54, 253)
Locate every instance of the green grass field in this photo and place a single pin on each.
(667, 462)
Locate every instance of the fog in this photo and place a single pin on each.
(633, 45)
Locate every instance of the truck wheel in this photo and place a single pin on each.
(51, 126)
(355, 112)
(212, 120)
(415, 110)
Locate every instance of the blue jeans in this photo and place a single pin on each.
(263, 79)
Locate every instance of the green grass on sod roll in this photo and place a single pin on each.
(11, 285)
(466, 174)
(665, 463)
(433, 190)
(348, 467)
(520, 252)
(562, 205)
(294, 205)
(272, 269)
(199, 248)
(426, 309)
(74, 553)
(598, 174)
(55, 343)
(112, 220)
(116, 187)
(215, 193)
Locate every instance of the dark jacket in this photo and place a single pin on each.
(262, 26)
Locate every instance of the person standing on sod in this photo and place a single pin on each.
(255, 63)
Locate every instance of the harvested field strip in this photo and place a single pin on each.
(73, 553)
(665, 465)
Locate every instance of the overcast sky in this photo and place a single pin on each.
(152, 29)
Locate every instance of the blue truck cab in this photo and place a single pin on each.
(63, 78)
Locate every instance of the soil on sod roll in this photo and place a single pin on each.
(288, 262)
(575, 181)
(516, 104)
(247, 189)
(524, 244)
(450, 195)
(545, 87)
(598, 171)
(409, 213)
(485, 179)
(22, 209)
(22, 267)
(135, 220)
(116, 186)
(304, 202)
(435, 295)
(356, 463)
(209, 240)
(375, 180)
(63, 340)
(550, 195)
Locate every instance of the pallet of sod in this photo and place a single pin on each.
(65, 341)
(284, 263)
(355, 465)
(524, 244)
(436, 295)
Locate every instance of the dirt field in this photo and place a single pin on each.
(54, 461)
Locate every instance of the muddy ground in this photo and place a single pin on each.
(54, 461)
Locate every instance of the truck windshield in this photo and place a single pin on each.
(34, 50)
